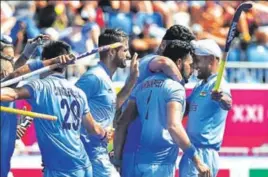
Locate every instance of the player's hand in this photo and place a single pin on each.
(25, 122)
(203, 170)
(217, 95)
(134, 68)
(3, 74)
(20, 131)
(66, 59)
(39, 40)
(32, 44)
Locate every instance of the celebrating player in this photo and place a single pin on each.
(62, 151)
(102, 99)
(207, 109)
(160, 103)
(148, 66)
(9, 121)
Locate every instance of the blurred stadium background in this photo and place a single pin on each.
(245, 148)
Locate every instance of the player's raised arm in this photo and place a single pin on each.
(167, 66)
(37, 64)
(225, 100)
(126, 90)
(176, 130)
(126, 118)
(29, 49)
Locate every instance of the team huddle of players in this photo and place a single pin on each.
(146, 113)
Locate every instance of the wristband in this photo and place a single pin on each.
(37, 64)
(105, 135)
(190, 151)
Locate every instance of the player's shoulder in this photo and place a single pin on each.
(93, 74)
(147, 58)
(169, 82)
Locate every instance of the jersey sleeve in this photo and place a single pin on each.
(90, 84)
(36, 89)
(174, 92)
(85, 103)
(144, 67)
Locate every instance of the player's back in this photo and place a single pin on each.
(152, 95)
(59, 141)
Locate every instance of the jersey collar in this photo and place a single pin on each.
(212, 76)
(105, 68)
(58, 75)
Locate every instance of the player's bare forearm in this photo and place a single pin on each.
(20, 61)
(63, 59)
(18, 72)
(119, 140)
(92, 127)
(29, 49)
(167, 66)
(125, 92)
(175, 127)
(121, 128)
(8, 94)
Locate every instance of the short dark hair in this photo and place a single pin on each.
(179, 32)
(110, 36)
(54, 49)
(177, 49)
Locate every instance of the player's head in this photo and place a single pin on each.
(206, 56)
(54, 49)
(180, 52)
(119, 55)
(6, 46)
(176, 32)
(6, 67)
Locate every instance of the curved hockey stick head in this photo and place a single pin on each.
(242, 7)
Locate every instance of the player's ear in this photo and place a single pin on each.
(179, 62)
(112, 52)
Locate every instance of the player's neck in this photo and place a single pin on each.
(110, 66)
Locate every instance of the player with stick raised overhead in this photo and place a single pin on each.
(9, 121)
(62, 151)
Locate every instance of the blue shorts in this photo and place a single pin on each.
(209, 156)
(128, 162)
(154, 170)
(102, 166)
(85, 172)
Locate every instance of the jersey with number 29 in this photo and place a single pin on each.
(59, 141)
